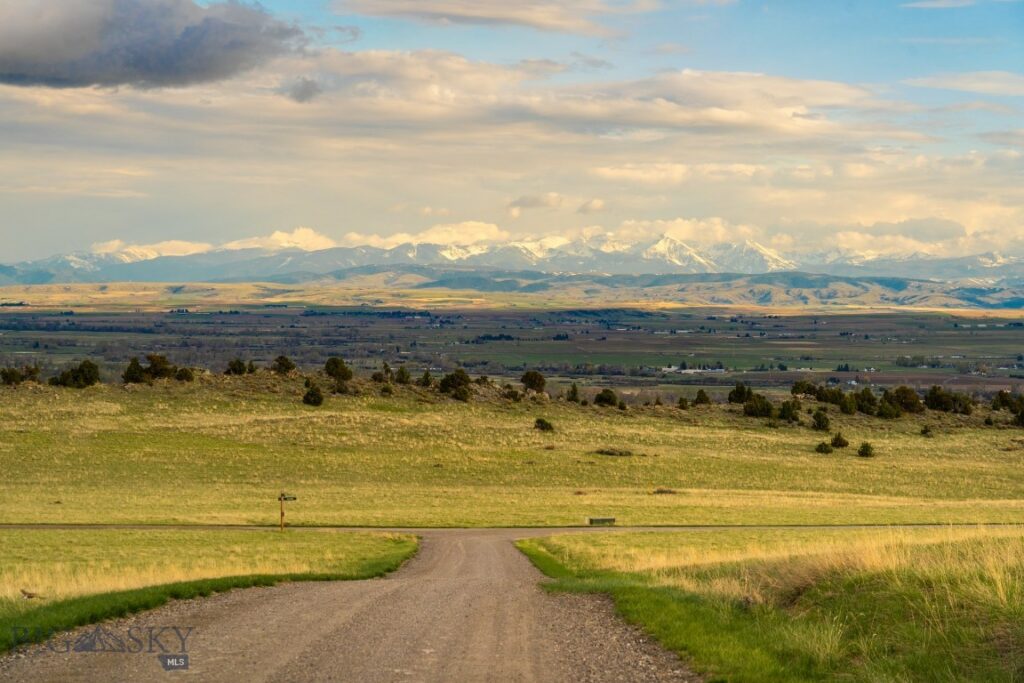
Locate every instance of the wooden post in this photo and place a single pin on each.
(282, 498)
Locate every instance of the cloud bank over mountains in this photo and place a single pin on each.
(176, 125)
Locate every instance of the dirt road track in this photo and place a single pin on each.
(467, 608)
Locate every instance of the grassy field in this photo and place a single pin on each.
(84, 576)
(221, 449)
(798, 605)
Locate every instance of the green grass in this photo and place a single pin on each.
(757, 606)
(84, 576)
(221, 450)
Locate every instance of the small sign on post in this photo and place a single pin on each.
(282, 498)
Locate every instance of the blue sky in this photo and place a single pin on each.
(877, 126)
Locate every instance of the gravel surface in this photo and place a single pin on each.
(468, 607)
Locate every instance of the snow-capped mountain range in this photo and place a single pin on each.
(598, 254)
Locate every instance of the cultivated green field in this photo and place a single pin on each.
(799, 605)
(84, 575)
(221, 449)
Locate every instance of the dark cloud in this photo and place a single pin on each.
(303, 89)
(144, 43)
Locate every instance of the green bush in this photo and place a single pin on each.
(533, 380)
(461, 393)
(237, 367)
(11, 376)
(938, 398)
(823, 448)
(455, 380)
(790, 410)
(804, 388)
(839, 441)
(426, 380)
(866, 450)
(606, 398)
(683, 403)
(336, 369)
(543, 425)
(185, 375)
(313, 397)
(158, 368)
(85, 374)
(888, 410)
(402, 375)
(573, 395)
(741, 393)
(702, 398)
(282, 365)
(905, 398)
(820, 421)
(867, 403)
(758, 406)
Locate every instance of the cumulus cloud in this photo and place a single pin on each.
(306, 239)
(465, 233)
(567, 16)
(594, 205)
(145, 43)
(142, 252)
(548, 200)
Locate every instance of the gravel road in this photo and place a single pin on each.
(468, 607)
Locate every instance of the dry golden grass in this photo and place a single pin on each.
(765, 566)
(772, 605)
(61, 564)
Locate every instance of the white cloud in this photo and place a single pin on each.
(305, 239)
(566, 16)
(463, 234)
(1006, 83)
(144, 252)
(594, 205)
